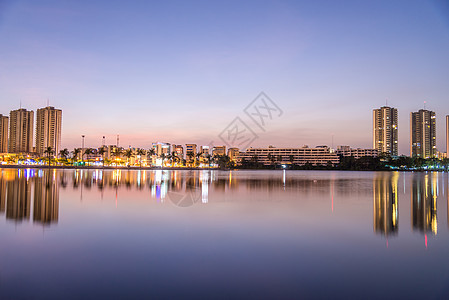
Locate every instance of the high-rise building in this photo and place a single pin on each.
(48, 129)
(4, 124)
(385, 130)
(447, 136)
(21, 131)
(423, 134)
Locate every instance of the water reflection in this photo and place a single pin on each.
(424, 202)
(18, 199)
(46, 198)
(185, 188)
(385, 210)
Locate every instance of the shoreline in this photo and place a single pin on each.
(188, 169)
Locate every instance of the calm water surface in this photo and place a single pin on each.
(90, 234)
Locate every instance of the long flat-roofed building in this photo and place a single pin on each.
(4, 124)
(48, 129)
(423, 133)
(356, 153)
(320, 155)
(21, 123)
(385, 130)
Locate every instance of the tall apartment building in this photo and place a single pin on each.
(385, 130)
(423, 134)
(447, 136)
(4, 124)
(48, 129)
(21, 123)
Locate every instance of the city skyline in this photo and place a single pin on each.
(325, 66)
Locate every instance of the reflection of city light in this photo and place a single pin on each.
(205, 186)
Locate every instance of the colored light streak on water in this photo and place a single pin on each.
(425, 240)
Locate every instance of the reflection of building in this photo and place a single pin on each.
(385, 130)
(4, 123)
(18, 199)
(2, 194)
(46, 198)
(385, 203)
(48, 129)
(21, 131)
(424, 203)
(423, 133)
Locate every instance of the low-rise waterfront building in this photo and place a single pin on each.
(219, 151)
(357, 152)
(320, 155)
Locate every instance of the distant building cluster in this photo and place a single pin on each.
(17, 131)
(422, 133)
(17, 137)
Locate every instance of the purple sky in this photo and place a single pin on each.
(181, 71)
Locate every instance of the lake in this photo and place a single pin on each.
(121, 234)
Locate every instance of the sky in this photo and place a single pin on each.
(182, 71)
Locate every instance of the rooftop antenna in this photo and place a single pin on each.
(48, 102)
(104, 140)
(20, 104)
(424, 105)
(386, 102)
(118, 139)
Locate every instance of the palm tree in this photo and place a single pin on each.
(209, 158)
(174, 157)
(88, 151)
(141, 152)
(102, 151)
(64, 154)
(49, 152)
(190, 155)
(150, 153)
(197, 158)
(128, 153)
(168, 157)
(163, 158)
(75, 153)
(116, 153)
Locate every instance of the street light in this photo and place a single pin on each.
(82, 149)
